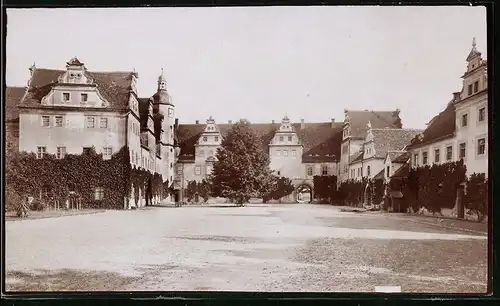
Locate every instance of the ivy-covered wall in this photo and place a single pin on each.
(53, 178)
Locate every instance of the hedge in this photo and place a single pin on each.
(28, 175)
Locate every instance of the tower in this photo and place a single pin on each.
(165, 143)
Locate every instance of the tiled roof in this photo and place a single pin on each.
(378, 120)
(402, 172)
(401, 158)
(143, 112)
(113, 86)
(13, 96)
(356, 157)
(379, 175)
(392, 139)
(440, 127)
(321, 141)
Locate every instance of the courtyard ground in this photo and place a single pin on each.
(255, 248)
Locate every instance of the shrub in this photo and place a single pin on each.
(476, 197)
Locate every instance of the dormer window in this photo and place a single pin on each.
(66, 97)
(205, 138)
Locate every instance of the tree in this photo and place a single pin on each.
(204, 189)
(241, 169)
(325, 187)
(279, 188)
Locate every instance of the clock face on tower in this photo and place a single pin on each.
(170, 113)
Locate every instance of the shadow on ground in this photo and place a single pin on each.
(66, 280)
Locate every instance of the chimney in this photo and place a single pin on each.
(176, 124)
(229, 122)
(302, 123)
(197, 122)
(333, 122)
(456, 96)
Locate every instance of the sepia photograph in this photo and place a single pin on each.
(246, 149)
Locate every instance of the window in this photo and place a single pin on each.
(368, 171)
(107, 152)
(66, 97)
(359, 171)
(449, 153)
(469, 90)
(45, 121)
(415, 159)
(171, 165)
(309, 170)
(84, 97)
(481, 146)
(278, 152)
(179, 170)
(210, 153)
(289, 138)
(387, 170)
(279, 173)
(462, 151)
(281, 138)
(464, 120)
(103, 123)
(481, 114)
(61, 152)
(205, 138)
(202, 153)
(436, 156)
(285, 153)
(40, 151)
(90, 122)
(476, 86)
(59, 121)
(216, 138)
(99, 194)
(209, 169)
(324, 170)
(424, 158)
(197, 170)
(294, 153)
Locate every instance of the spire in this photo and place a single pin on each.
(162, 81)
(473, 52)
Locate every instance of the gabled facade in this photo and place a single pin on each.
(461, 130)
(356, 125)
(70, 111)
(371, 160)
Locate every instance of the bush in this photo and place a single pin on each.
(476, 197)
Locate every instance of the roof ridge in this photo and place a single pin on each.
(89, 71)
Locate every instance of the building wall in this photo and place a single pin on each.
(393, 167)
(471, 133)
(416, 153)
(74, 134)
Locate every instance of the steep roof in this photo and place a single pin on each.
(402, 158)
(356, 157)
(13, 96)
(392, 139)
(402, 172)
(440, 127)
(379, 175)
(378, 119)
(321, 141)
(113, 86)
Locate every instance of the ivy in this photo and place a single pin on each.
(325, 187)
(52, 179)
(476, 197)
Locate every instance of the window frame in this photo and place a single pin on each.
(323, 168)
(64, 97)
(89, 119)
(437, 155)
(197, 170)
(62, 121)
(450, 153)
(103, 120)
(41, 151)
(309, 170)
(60, 152)
(82, 100)
(483, 147)
(99, 193)
(42, 118)
(464, 144)
(481, 116)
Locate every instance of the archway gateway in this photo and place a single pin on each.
(304, 193)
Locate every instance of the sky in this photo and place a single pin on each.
(262, 63)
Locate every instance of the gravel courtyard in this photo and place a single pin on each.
(274, 248)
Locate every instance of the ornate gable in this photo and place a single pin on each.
(211, 135)
(286, 134)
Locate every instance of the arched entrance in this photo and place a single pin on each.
(304, 193)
